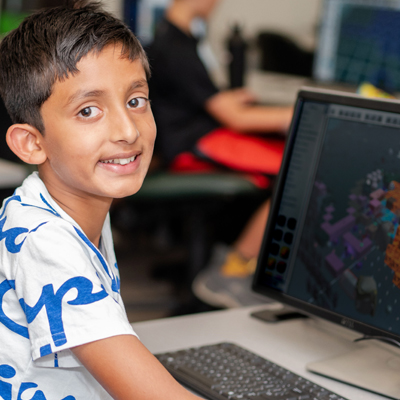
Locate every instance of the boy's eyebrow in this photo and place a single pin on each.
(142, 83)
(83, 94)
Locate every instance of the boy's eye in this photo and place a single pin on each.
(89, 112)
(137, 102)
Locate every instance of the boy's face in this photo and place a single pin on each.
(99, 129)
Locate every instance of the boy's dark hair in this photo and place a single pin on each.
(47, 46)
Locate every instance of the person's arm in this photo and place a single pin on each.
(127, 370)
(235, 109)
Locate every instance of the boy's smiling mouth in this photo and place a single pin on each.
(121, 161)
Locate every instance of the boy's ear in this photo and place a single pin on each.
(26, 142)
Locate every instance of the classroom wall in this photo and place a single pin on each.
(114, 6)
(296, 19)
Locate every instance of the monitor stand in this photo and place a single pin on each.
(374, 367)
(276, 315)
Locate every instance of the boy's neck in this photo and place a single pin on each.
(88, 212)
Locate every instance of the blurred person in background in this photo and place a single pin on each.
(200, 126)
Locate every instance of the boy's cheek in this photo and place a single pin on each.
(152, 129)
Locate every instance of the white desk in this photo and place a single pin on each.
(11, 174)
(291, 344)
(281, 89)
(275, 88)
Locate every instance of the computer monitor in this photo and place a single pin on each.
(359, 41)
(332, 242)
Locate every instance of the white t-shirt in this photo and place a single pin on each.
(57, 291)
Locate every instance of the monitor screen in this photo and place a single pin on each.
(359, 42)
(332, 243)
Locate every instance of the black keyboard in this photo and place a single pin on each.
(226, 371)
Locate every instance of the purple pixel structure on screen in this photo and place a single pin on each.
(330, 209)
(360, 247)
(378, 194)
(353, 197)
(327, 217)
(376, 206)
(334, 264)
(336, 230)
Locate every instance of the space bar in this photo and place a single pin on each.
(194, 375)
(198, 382)
(204, 385)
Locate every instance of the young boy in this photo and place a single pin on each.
(74, 80)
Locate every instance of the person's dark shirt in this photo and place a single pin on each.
(179, 88)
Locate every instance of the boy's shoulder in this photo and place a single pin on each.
(31, 222)
(28, 210)
(29, 204)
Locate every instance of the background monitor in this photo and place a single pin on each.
(359, 41)
(332, 242)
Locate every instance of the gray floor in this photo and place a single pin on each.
(144, 296)
(151, 278)
(151, 245)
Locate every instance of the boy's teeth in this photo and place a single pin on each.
(122, 161)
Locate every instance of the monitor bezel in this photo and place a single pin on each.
(333, 97)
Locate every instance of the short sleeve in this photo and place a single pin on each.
(177, 67)
(62, 290)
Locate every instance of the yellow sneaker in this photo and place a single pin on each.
(226, 281)
(236, 266)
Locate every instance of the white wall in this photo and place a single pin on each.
(113, 6)
(298, 19)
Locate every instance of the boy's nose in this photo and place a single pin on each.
(125, 129)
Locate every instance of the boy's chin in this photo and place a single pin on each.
(126, 193)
